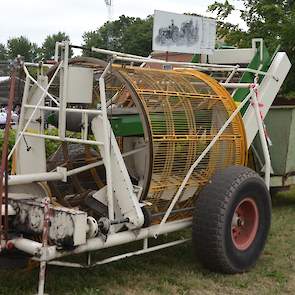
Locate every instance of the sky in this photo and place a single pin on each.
(35, 19)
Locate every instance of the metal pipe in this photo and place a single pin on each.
(209, 67)
(69, 110)
(98, 243)
(64, 98)
(37, 65)
(232, 74)
(236, 85)
(98, 163)
(263, 140)
(200, 158)
(29, 178)
(124, 238)
(119, 257)
(173, 212)
(24, 101)
(66, 139)
(110, 52)
(45, 90)
(57, 45)
(45, 235)
(139, 252)
(107, 144)
(4, 158)
(27, 246)
(177, 63)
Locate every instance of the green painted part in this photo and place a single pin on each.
(280, 123)
(247, 77)
(196, 58)
(123, 125)
(127, 125)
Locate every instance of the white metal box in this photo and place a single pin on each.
(80, 85)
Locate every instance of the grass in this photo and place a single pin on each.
(174, 271)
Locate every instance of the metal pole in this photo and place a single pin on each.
(5, 151)
(263, 140)
(107, 144)
(42, 272)
(64, 98)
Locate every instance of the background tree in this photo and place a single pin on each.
(127, 34)
(48, 46)
(24, 47)
(272, 20)
(3, 52)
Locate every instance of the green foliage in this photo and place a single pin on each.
(3, 52)
(127, 34)
(48, 46)
(272, 20)
(51, 145)
(22, 46)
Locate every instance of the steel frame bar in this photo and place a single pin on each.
(58, 175)
(68, 110)
(262, 137)
(107, 143)
(51, 252)
(64, 97)
(208, 67)
(4, 161)
(43, 89)
(98, 163)
(66, 139)
(231, 75)
(37, 65)
(118, 257)
(45, 92)
(29, 178)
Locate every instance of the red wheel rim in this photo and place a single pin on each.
(244, 224)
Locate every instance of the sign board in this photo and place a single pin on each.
(174, 32)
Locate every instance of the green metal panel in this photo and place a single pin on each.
(127, 125)
(290, 164)
(280, 122)
(123, 125)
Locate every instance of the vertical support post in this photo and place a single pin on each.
(63, 98)
(42, 272)
(89, 259)
(145, 243)
(24, 102)
(84, 126)
(107, 143)
(167, 56)
(4, 160)
(56, 51)
(262, 139)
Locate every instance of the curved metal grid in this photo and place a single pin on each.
(185, 110)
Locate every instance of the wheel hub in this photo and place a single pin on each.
(244, 224)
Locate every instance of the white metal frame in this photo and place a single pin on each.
(49, 254)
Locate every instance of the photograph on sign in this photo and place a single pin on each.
(174, 32)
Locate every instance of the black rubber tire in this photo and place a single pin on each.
(215, 206)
